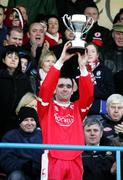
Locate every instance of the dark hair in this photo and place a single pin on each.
(41, 17)
(93, 5)
(97, 48)
(14, 28)
(67, 77)
(2, 7)
(117, 16)
(9, 50)
(59, 20)
(91, 120)
(25, 54)
(52, 16)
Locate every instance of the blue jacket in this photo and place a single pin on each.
(17, 159)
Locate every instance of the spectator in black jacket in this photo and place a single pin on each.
(36, 40)
(113, 120)
(23, 163)
(97, 164)
(13, 85)
(113, 55)
(103, 78)
(99, 35)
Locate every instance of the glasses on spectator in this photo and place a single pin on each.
(65, 85)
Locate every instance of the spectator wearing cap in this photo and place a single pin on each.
(97, 164)
(25, 59)
(113, 55)
(23, 163)
(14, 84)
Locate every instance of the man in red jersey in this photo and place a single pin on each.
(61, 120)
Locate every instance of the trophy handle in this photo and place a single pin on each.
(68, 23)
(89, 23)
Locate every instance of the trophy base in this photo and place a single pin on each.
(73, 50)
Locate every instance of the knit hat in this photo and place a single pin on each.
(25, 54)
(118, 27)
(27, 112)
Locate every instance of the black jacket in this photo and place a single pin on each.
(108, 124)
(97, 165)
(12, 88)
(99, 35)
(113, 58)
(104, 87)
(118, 81)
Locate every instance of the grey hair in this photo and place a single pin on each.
(114, 98)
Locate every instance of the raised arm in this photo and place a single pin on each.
(48, 86)
(86, 87)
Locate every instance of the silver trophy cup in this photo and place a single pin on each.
(79, 24)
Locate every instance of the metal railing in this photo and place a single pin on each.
(117, 149)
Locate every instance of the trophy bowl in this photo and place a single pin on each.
(79, 24)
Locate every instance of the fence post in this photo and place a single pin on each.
(118, 165)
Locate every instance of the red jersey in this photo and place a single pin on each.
(63, 124)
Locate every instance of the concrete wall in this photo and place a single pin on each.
(108, 10)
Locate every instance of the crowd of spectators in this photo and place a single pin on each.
(33, 47)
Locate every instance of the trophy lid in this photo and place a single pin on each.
(78, 17)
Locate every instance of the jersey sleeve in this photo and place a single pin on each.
(47, 89)
(86, 94)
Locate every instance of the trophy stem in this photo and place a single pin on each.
(78, 35)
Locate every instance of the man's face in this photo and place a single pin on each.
(92, 134)
(1, 16)
(28, 125)
(92, 12)
(64, 90)
(115, 111)
(118, 38)
(36, 34)
(15, 38)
